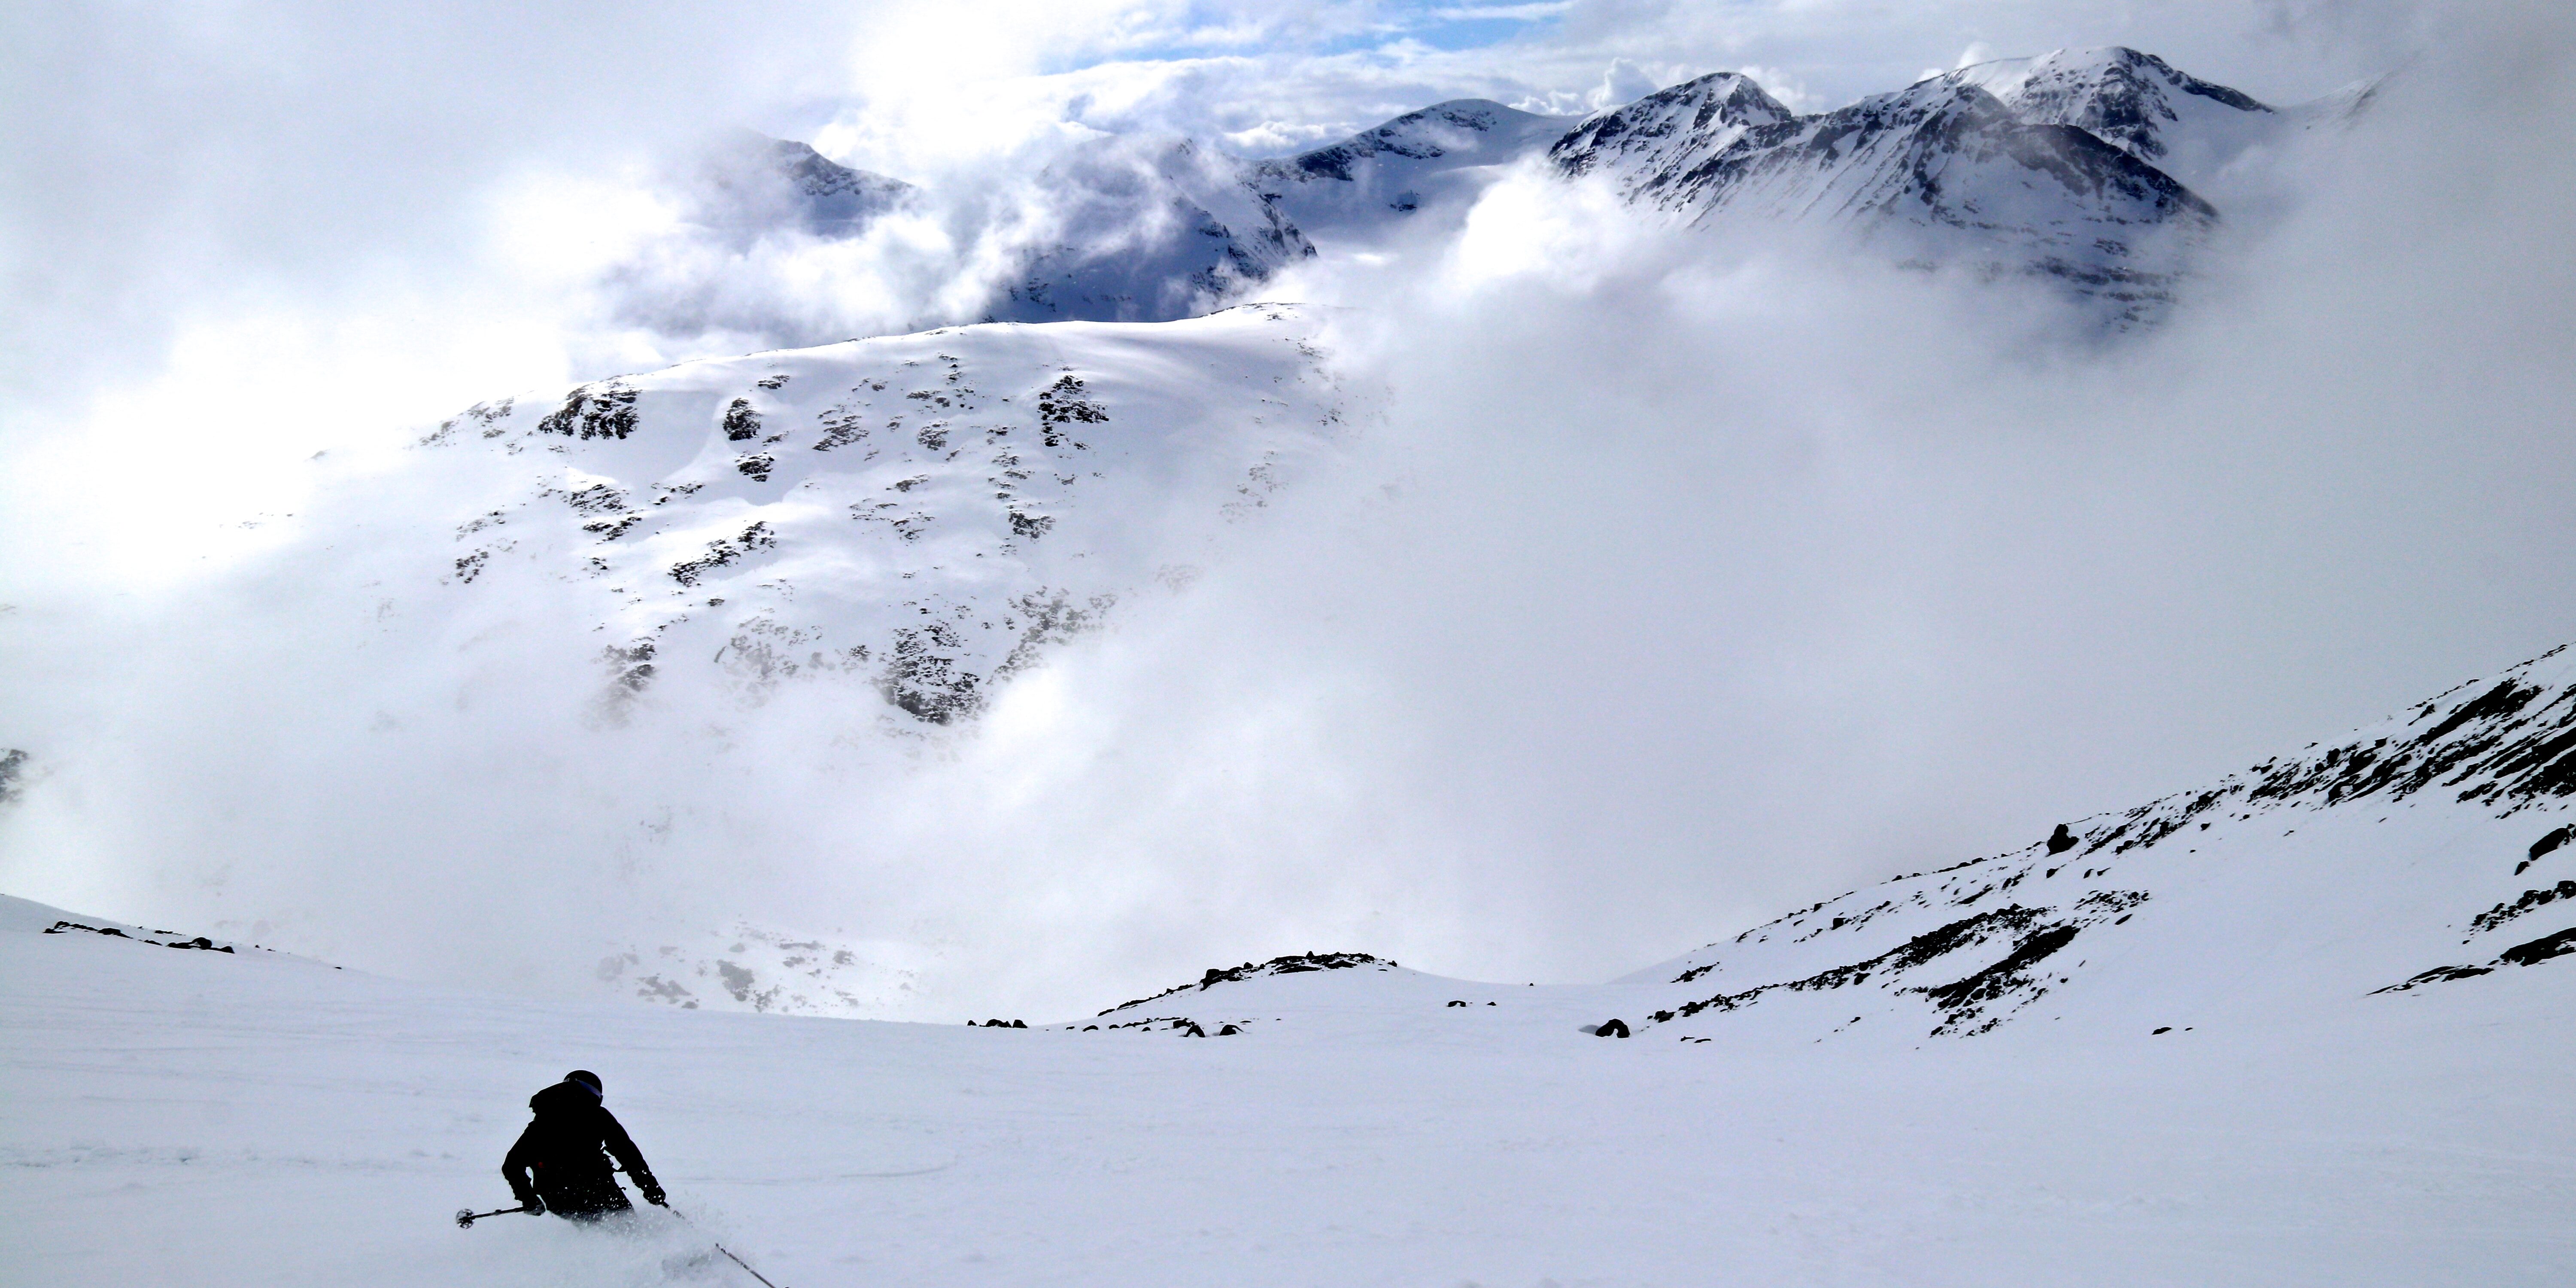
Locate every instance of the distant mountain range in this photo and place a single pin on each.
(902, 525)
(2095, 169)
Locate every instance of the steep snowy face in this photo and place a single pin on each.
(1666, 134)
(928, 513)
(2424, 850)
(1939, 172)
(1126, 240)
(1365, 187)
(2187, 127)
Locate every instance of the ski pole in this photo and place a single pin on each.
(746, 1266)
(466, 1217)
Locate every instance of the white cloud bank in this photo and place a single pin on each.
(1679, 583)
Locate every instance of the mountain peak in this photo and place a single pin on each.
(1472, 127)
(1671, 129)
(750, 180)
(1440, 157)
(2134, 101)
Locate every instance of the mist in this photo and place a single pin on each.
(1671, 582)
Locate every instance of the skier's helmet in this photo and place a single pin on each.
(587, 1081)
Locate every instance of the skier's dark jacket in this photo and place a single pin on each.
(564, 1146)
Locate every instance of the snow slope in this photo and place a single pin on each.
(1651, 143)
(2304, 1026)
(255, 1120)
(869, 539)
(2187, 127)
(2424, 851)
(930, 512)
(2425, 854)
(1422, 167)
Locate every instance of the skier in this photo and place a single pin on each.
(567, 1146)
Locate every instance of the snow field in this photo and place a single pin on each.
(250, 1118)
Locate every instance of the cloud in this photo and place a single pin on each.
(1676, 581)
(1502, 12)
(1625, 82)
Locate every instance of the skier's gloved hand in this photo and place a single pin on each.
(533, 1205)
(653, 1195)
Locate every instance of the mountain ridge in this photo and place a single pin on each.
(1970, 947)
(2081, 168)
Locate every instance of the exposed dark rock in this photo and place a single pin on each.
(2504, 912)
(1963, 998)
(923, 678)
(2540, 950)
(1963, 933)
(2436, 975)
(1063, 405)
(1053, 619)
(1292, 965)
(1614, 1028)
(741, 423)
(2060, 841)
(200, 943)
(2543, 846)
(720, 553)
(597, 498)
(593, 411)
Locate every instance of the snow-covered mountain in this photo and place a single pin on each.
(2397, 855)
(1646, 146)
(2222, 142)
(2084, 167)
(1355, 192)
(2183, 125)
(1941, 172)
(876, 536)
(1145, 237)
(749, 183)
(2410, 857)
(923, 514)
